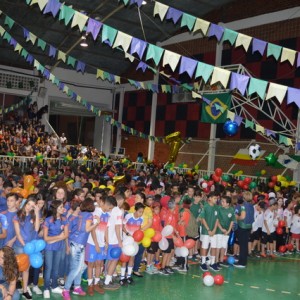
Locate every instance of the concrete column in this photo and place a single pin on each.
(296, 173)
(102, 135)
(151, 146)
(213, 127)
(120, 119)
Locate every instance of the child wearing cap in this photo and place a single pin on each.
(268, 229)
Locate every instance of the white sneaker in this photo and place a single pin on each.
(46, 294)
(37, 290)
(57, 290)
(29, 291)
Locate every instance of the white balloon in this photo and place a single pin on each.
(127, 240)
(167, 230)
(136, 248)
(177, 252)
(184, 251)
(204, 185)
(163, 244)
(128, 250)
(208, 280)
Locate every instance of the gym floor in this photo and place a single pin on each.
(263, 279)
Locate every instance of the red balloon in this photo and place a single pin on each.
(124, 258)
(224, 183)
(225, 258)
(274, 178)
(247, 180)
(110, 174)
(157, 237)
(279, 231)
(289, 247)
(281, 223)
(206, 274)
(240, 183)
(219, 279)
(206, 190)
(189, 243)
(218, 172)
(282, 249)
(138, 235)
(245, 187)
(210, 183)
(271, 184)
(216, 178)
(178, 242)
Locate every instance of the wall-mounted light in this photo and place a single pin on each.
(83, 42)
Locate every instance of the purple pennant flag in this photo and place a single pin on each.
(138, 46)
(207, 101)
(138, 2)
(93, 27)
(30, 59)
(155, 88)
(293, 95)
(216, 30)
(174, 14)
(46, 73)
(298, 60)
(239, 81)
(52, 51)
(258, 45)
(297, 146)
(80, 66)
(175, 89)
(25, 33)
(111, 77)
(270, 133)
(188, 65)
(142, 66)
(13, 42)
(74, 96)
(61, 86)
(52, 6)
(238, 120)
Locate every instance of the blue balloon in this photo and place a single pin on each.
(231, 128)
(29, 248)
(36, 260)
(230, 260)
(40, 245)
(115, 252)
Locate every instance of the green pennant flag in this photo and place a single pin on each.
(66, 14)
(209, 112)
(9, 22)
(249, 124)
(42, 44)
(71, 61)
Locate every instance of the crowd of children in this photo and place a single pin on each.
(85, 223)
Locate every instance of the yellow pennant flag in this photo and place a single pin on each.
(79, 20)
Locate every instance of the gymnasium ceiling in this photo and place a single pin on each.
(109, 12)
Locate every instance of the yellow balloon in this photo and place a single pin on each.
(292, 183)
(263, 172)
(276, 188)
(111, 187)
(175, 142)
(150, 233)
(146, 242)
(102, 187)
(118, 179)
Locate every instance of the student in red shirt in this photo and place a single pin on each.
(171, 218)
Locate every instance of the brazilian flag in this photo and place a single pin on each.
(214, 107)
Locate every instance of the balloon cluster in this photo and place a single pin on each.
(247, 184)
(209, 280)
(278, 181)
(183, 247)
(280, 226)
(284, 248)
(33, 249)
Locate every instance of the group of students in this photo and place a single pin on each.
(83, 233)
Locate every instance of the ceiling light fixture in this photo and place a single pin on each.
(83, 42)
(144, 2)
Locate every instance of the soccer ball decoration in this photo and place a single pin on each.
(254, 151)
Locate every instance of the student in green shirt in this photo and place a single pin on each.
(226, 218)
(189, 194)
(209, 220)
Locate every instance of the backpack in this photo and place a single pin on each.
(192, 229)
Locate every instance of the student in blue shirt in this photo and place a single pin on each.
(7, 187)
(27, 224)
(10, 213)
(8, 274)
(3, 227)
(55, 234)
(78, 239)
